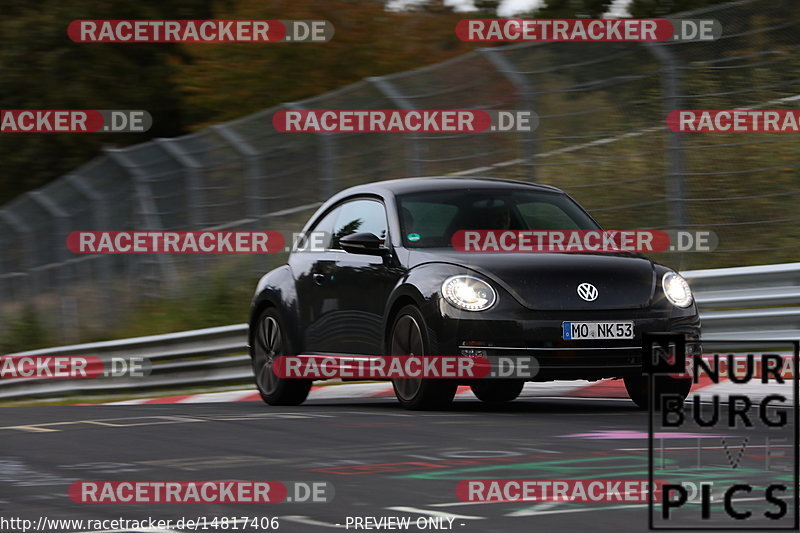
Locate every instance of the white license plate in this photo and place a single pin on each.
(596, 330)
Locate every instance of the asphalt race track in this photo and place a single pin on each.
(382, 460)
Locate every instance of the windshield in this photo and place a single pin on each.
(429, 219)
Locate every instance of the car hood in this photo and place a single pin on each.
(550, 281)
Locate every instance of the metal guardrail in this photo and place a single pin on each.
(743, 303)
(203, 357)
(749, 303)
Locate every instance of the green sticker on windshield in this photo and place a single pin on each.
(413, 237)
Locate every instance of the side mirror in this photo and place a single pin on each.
(363, 243)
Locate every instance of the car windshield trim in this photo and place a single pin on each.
(428, 219)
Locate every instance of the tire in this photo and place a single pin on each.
(409, 336)
(498, 390)
(638, 388)
(269, 342)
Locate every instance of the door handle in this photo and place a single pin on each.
(319, 278)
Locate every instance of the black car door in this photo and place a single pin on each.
(362, 283)
(312, 268)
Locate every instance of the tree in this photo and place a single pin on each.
(485, 8)
(573, 8)
(41, 68)
(660, 8)
(188, 86)
(223, 81)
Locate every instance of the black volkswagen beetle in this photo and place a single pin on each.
(386, 280)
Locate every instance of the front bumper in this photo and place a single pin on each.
(521, 332)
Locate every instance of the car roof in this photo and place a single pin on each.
(390, 188)
(433, 183)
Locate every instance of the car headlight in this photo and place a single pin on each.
(468, 293)
(677, 289)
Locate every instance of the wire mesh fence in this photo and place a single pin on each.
(601, 137)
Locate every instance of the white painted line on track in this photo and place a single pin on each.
(214, 397)
(534, 509)
(301, 519)
(438, 514)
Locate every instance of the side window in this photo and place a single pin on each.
(325, 227)
(359, 216)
